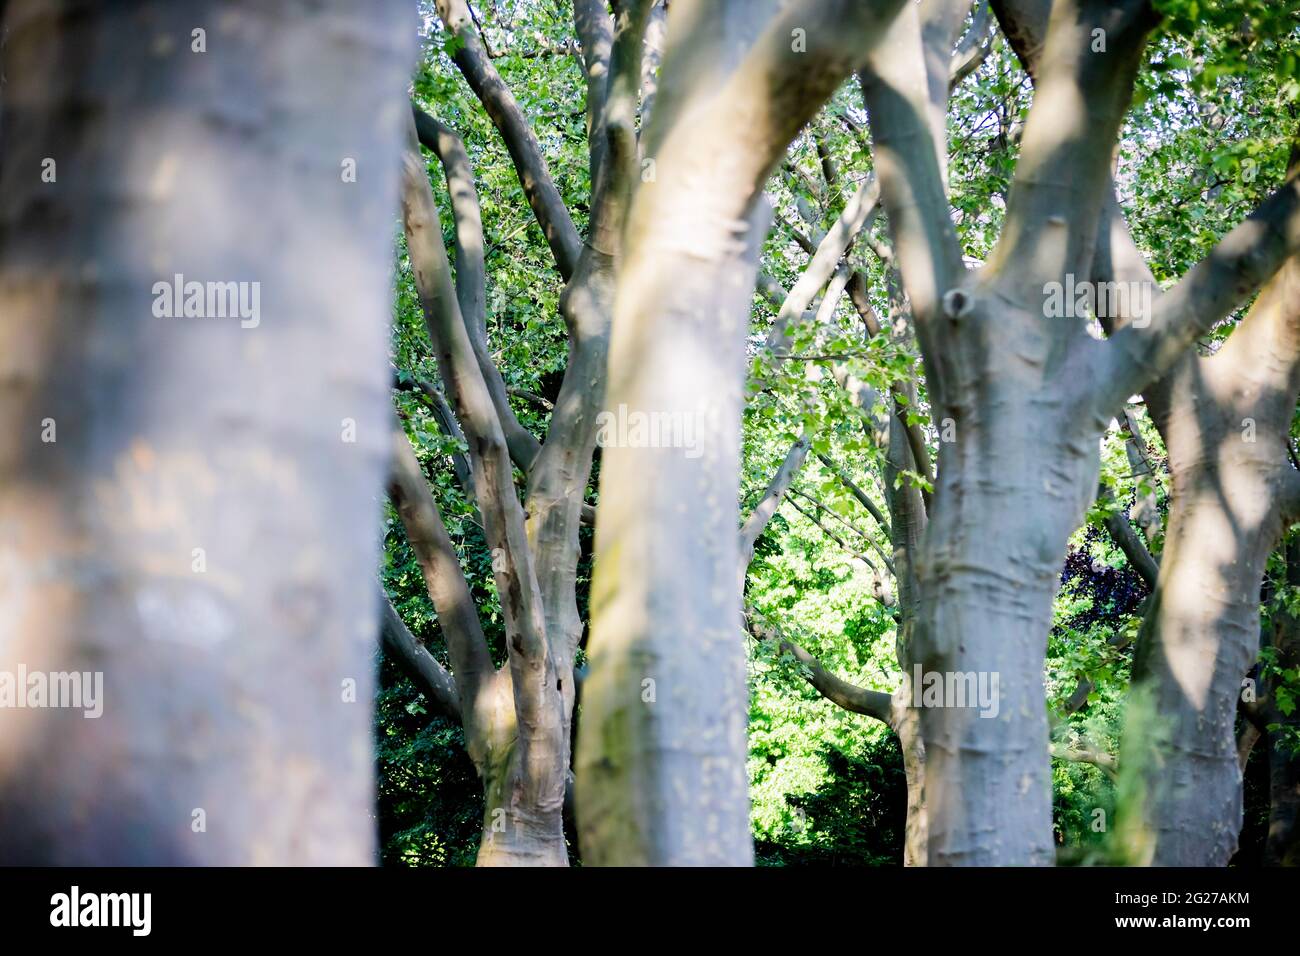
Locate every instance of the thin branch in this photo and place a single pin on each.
(539, 400)
(859, 700)
(771, 500)
(443, 576)
(418, 664)
(534, 175)
(870, 542)
(856, 216)
(975, 46)
(858, 493)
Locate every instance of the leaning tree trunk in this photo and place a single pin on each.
(1225, 420)
(1198, 641)
(188, 503)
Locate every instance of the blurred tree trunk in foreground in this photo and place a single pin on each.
(188, 501)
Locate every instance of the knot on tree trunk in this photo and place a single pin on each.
(957, 303)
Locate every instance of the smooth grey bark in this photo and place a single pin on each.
(661, 750)
(1225, 419)
(198, 522)
(1022, 469)
(1135, 354)
(518, 719)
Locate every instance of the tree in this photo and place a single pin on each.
(517, 718)
(1225, 419)
(187, 484)
(1029, 395)
(662, 782)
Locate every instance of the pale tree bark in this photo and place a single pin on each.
(1015, 482)
(1029, 396)
(1225, 421)
(188, 503)
(518, 719)
(661, 749)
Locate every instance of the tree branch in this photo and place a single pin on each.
(975, 46)
(909, 162)
(1081, 752)
(591, 22)
(503, 518)
(770, 501)
(656, 32)
(859, 700)
(1081, 94)
(418, 664)
(448, 425)
(857, 215)
(534, 175)
(889, 564)
(614, 178)
(1127, 540)
(470, 278)
(858, 493)
(1240, 263)
(443, 576)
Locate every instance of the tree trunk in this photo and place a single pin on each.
(906, 722)
(518, 829)
(1225, 420)
(188, 502)
(1199, 640)
(988, 570)
(661, 749)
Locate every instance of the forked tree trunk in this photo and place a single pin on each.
(522, 815)
(188, 503)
